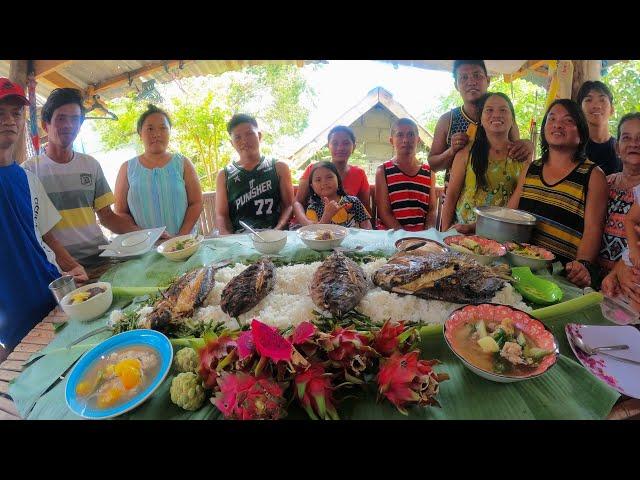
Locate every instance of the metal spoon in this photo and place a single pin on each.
(578, 343)
(251, 230)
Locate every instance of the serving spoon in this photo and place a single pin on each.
(251, 230)
(579, 344)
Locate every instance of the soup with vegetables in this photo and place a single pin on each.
(181, 245)
(498, 347)
(530, 251)
(320, 235)
(118, 376)
(85, 295)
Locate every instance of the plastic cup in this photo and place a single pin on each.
(61, 286)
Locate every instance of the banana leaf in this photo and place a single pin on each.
(567, 391)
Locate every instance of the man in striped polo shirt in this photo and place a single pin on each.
(74, 181)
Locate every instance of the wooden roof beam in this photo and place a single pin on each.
(531, 65)
(44, 67)
(124, 77)
(58, 80)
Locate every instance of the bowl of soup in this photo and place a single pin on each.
(527, 255)
(322, 236)
(118, 374)
(482, 250)
(500, 343)
(87, 302)
(180, 248)
(272, 241)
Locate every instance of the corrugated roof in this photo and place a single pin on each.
(86, 73)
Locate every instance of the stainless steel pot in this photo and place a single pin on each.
(504, 224)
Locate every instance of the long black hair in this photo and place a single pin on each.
(581, 122)
(480, 149)
(331, 167)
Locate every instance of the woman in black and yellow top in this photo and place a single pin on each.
(566, 192)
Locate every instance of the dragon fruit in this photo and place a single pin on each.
(393, 336)
(245, 397)
(348, 349)
(246, 345)
(404, 380)
(313, 389)
(212, 354)
(303, 332)
(269, 343)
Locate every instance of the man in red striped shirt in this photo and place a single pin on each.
(404, 185)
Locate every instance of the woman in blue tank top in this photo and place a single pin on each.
(159, 188)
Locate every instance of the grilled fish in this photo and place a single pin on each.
(248, 288)
(338, 284)
(179, 300)
(447, 276)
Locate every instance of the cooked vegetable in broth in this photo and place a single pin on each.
(530, 251)
(85, 295)
(498, 347)
(181, 245)
(118, 376)
(320, 235)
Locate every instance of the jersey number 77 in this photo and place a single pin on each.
(260, 203)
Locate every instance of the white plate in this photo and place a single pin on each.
(130, 244)
(624, 377)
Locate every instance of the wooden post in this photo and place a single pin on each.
(18, 74)
(583, 70)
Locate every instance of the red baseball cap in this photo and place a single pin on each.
(9, 89)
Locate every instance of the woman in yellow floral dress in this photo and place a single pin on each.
(483, 174)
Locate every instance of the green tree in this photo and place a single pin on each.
(624, 81)
(277, 95)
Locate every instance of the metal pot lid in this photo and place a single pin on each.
(508, 215)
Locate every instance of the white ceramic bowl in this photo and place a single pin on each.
(89, 309)
(179, 255)
(275, 241)
(307, 235)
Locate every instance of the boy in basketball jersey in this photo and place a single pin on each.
(254, 189)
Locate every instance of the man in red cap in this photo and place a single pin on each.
(26, 217)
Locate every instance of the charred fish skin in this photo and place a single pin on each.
(247, 289)
(447, 276)
(179, 301)
(338, 285)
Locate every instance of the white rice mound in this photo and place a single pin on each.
(290, 304)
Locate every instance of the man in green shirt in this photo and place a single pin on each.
(254, 189)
